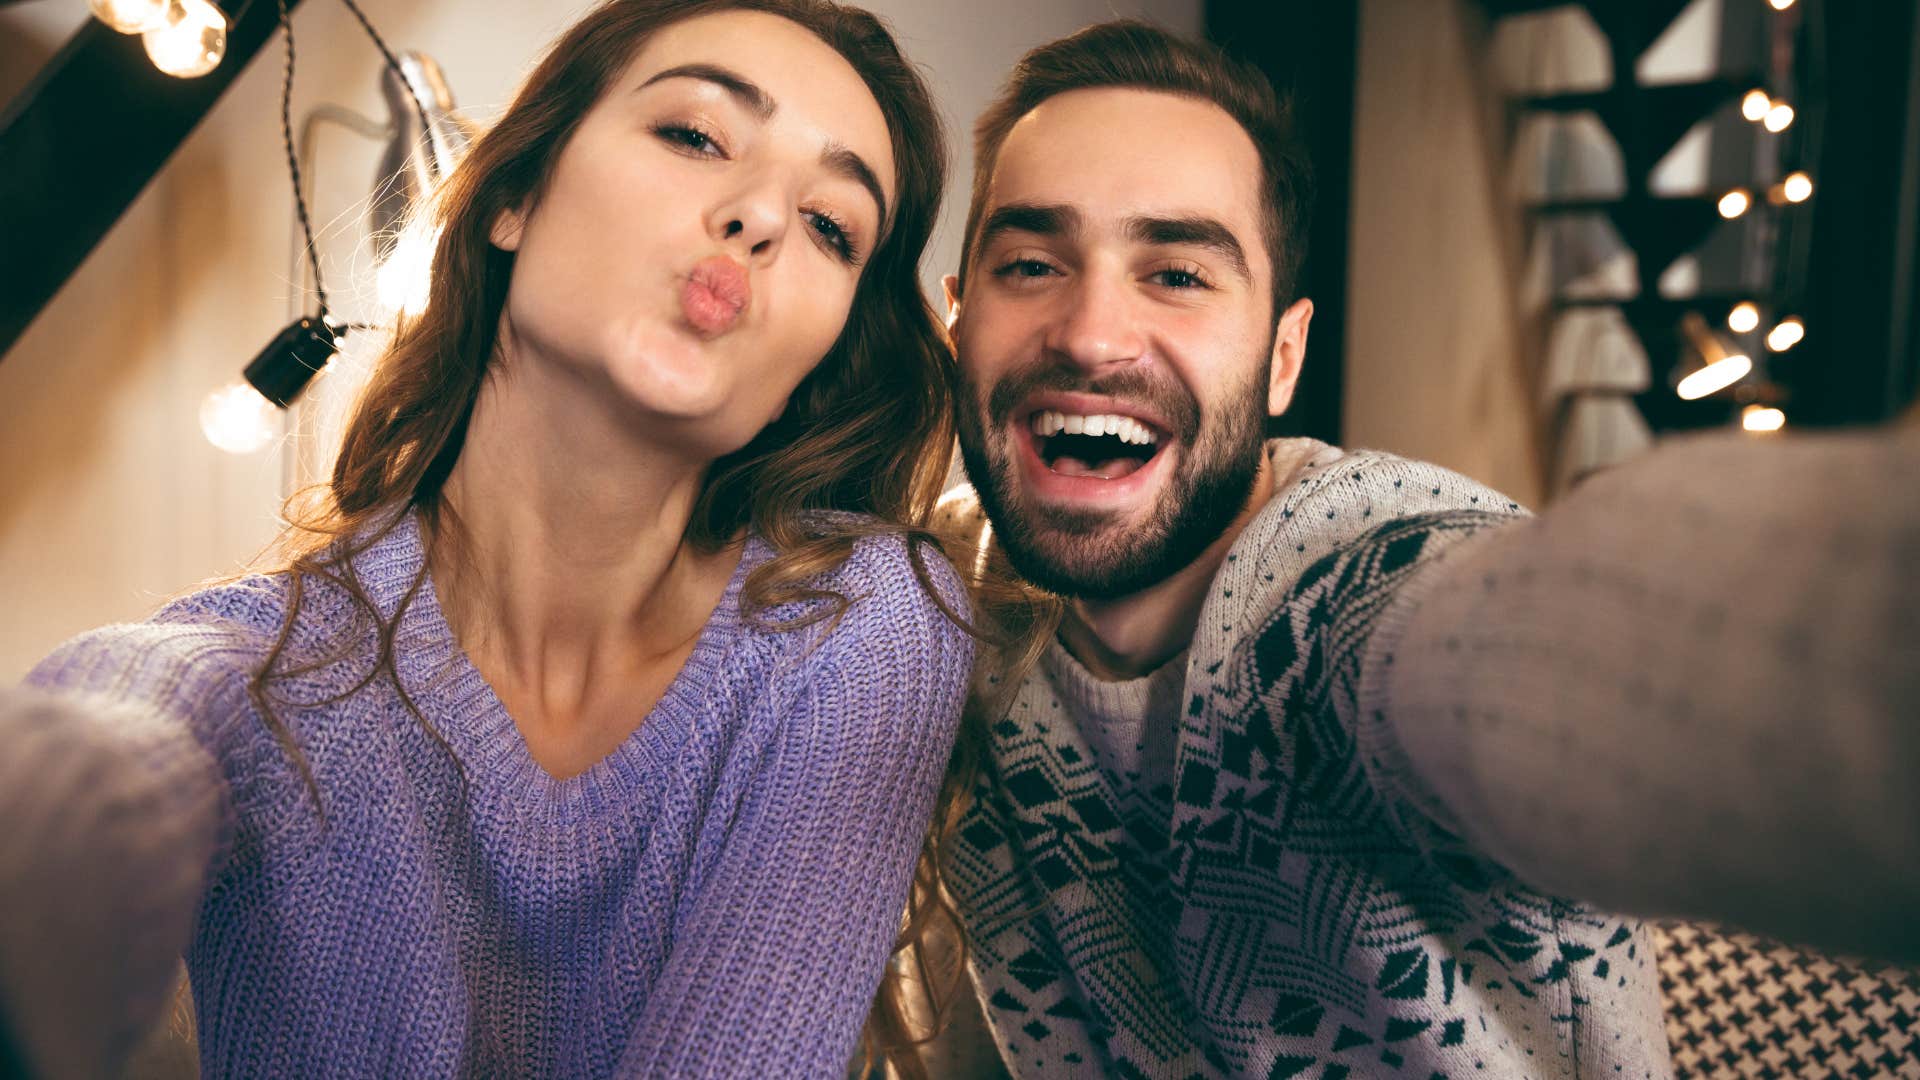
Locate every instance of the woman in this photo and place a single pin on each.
(593, 720)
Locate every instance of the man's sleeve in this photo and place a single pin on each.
(1692, 688)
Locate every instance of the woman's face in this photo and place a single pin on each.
(695, 251)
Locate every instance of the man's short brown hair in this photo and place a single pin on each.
(1130, 54)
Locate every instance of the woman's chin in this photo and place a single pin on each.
(692, 417)
(671, 383)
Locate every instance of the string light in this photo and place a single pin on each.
(242, 417)
(1734, 203)
(1762, 418)
(190, 41)
(1779, 117)
(404, 277)
(235, 418)
(1797, 187)
(1755, 105)
(130, 16)
(1743, 318)
(1715, 377)
(1786, 334)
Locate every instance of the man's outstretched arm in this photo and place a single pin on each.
(1692, 689)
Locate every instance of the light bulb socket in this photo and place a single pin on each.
(291, 360)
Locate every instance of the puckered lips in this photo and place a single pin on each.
(716, 292)
(1087, 450)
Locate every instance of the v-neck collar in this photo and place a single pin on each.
(457, 699)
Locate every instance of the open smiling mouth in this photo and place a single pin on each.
(1106, 447)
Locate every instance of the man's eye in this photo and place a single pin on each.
(1180, 279)
(1025, 268)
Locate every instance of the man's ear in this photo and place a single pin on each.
(506, 229)
(1289, 353)
(951, 286)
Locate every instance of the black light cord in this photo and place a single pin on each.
(286, 131)
(393, 65)
(293, 162)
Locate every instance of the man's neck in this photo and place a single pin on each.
(1131, 636)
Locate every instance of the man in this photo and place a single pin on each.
(1323, 735)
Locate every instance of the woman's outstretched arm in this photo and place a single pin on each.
(115, 818)
(777, 965)
(1692, 688)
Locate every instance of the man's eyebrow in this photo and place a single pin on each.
(844, 162)
(1037, 218)
(1198, 231)
(749, 95)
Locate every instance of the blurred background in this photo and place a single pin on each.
(1547, 235)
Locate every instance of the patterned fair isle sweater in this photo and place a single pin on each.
(716, 897)
(1328, 840)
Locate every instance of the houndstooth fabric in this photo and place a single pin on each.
(1740, 1007)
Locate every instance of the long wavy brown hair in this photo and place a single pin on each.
(868, 432)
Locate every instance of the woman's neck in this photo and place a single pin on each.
(563, 565)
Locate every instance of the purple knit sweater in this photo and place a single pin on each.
(716, 897)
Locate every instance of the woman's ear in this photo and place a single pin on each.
(506, 229)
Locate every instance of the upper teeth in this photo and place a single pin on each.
(1126, 427)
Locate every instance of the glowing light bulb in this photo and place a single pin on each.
(1779, 117)
(1762, 418)
(1715, 377)
(403, 281)
(235, 418)
(130, 16)
(1780, 5)
(191, 40)
(1797, 187)
(1755, 105)
(1743, 317)
(1786, 334)
(1734, 203)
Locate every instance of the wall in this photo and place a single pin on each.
(1451, 340)
(111, 500)
(1436, 362)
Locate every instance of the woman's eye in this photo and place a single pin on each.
(831, 234)
(691, 138)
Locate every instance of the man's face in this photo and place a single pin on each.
(1116, 338)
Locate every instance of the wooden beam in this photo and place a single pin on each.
(79, 144)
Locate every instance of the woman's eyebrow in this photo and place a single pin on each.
(837, 158)
(845, 163)
(743, 89)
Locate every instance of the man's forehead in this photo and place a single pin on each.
(1114, 153)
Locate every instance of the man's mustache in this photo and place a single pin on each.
(1163, 397)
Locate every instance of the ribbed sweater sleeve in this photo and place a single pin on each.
(824, 849)
(115, 816)
(1692, 688)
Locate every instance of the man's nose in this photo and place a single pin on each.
(1097, 325)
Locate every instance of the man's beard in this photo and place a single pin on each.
(1098, 555)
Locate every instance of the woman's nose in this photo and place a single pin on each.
(753, 223)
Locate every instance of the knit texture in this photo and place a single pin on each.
(1690, 689)
(1242, 878)
(718, 896)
